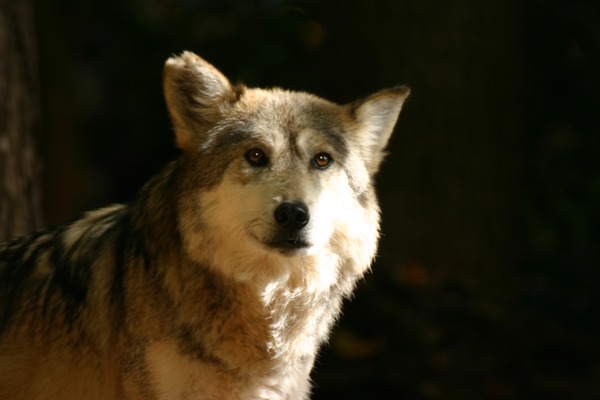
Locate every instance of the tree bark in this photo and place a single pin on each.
(20, 210)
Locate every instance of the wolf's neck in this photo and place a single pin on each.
(155, 213)
(300, 317)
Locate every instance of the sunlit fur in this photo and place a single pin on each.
(186, 293)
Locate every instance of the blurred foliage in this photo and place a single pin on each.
(487, 283)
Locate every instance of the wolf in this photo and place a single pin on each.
(224, 275)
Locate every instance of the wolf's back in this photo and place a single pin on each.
(46, 277)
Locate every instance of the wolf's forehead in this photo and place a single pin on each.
(293, 116)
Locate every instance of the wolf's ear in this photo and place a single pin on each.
(196, 95)
(377, 116)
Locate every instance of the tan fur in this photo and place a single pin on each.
(199, 289)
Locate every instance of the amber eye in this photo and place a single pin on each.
(256, 158)
(322, 161)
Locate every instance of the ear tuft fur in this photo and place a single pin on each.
(377, 116)
(195, 92)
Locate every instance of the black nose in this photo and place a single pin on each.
(292, 215)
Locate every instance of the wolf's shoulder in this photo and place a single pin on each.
(58, 262)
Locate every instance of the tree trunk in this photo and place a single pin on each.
(20, 210)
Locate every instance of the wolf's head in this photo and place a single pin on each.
(274, 176)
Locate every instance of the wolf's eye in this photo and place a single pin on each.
(322, 161)
(256, 157)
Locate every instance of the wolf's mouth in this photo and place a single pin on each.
(289, 245)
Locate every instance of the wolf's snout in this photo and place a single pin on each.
(292, 215)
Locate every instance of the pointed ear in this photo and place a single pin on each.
(377, 116)
(196, 94)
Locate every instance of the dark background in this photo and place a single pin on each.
(487, 283)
